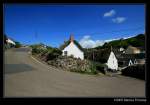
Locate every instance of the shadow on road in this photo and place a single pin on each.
(17, 68)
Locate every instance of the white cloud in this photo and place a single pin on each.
(119, 19)
(87, 42)
(110, 13)
(128, 37)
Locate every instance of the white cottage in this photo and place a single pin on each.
(112, 61)
(116, 59)
(113, 58)
(72, 47)
(10, 41)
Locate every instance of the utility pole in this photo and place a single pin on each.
(93, 55)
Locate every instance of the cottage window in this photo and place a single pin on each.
(65, 53)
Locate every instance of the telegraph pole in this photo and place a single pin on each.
(93, 55)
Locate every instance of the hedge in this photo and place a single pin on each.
(137, 71)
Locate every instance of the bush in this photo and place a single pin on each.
(7, 46)
(17, 45)
(53, 53)
(137, 71)
(47, 53)
(37, 50)
(99, 67)
(44, 52)
(93, 68)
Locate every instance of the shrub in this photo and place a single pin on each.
(93, 68)
(100, 67)
(17, 45)
(36, 50)
(41, 49)
(44, 52)
(53, 53)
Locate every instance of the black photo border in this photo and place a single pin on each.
(69, 101)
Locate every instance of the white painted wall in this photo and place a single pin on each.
(10, 41)
(130, 63)
(112, 61)
(72, 49)
(121, 49)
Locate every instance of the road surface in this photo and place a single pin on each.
(26, 77)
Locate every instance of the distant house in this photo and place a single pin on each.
(116, 59)
(132, 50)
(72, 48)
(131, 59)
(139, 61)
(10, 41)
(121, 49)
(125, 62)
(142, 49)
(132, 56)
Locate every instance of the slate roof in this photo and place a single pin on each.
(133, 56)
(122, 57)
(125, 58)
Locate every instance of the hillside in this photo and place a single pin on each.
(137, 41)
(100, 53)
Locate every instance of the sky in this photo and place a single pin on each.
(92, 25)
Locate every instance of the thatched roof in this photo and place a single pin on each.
(68, 42)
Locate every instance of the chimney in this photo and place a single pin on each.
(71, 38)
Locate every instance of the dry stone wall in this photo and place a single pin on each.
(71, 64)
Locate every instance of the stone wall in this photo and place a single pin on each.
(71, 64)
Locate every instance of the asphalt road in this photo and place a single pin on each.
(26, 77)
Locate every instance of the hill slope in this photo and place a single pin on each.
(137, 41)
